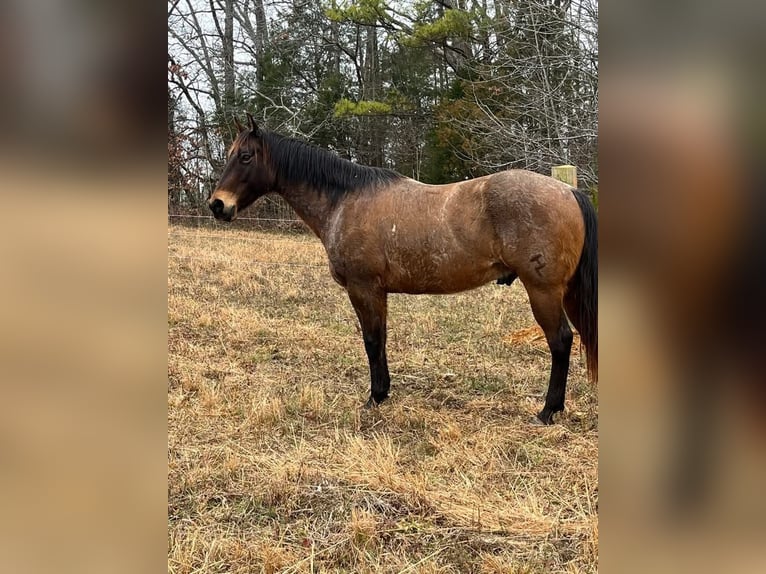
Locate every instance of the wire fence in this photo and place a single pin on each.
(227, 235)
(230, 234)
(211, 219)
(267, 223)
(255, 261)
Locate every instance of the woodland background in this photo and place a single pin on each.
(439, 91)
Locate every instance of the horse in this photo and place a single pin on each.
(386, 233)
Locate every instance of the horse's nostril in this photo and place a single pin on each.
(216, 206)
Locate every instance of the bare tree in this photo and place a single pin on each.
(538, 97)
(442, 90)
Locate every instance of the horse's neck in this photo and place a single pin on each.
(312, 206)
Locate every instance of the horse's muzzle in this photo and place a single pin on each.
(221, 211)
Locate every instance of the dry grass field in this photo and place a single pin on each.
(274, 467)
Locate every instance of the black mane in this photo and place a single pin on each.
(296, 162)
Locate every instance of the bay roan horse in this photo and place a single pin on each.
(386, 233)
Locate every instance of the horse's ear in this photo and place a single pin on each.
(253, 125)
(239, 126)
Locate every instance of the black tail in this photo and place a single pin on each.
(581, 298)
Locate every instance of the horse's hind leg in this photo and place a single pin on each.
(371, 308)
(548, 311)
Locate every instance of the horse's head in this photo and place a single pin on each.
(246, 175)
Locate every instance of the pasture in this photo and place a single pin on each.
(274, 467)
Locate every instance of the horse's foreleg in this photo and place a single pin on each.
(371, 307)
(549, 313)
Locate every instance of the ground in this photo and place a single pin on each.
(273, 466)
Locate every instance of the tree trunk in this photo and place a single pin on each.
(372, 90)
(261, 40)
(461, 52)
(335, 38)
(174, 159)
(229, 98)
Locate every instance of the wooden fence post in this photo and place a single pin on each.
(565, 173)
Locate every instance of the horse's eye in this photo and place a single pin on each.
(245, 157)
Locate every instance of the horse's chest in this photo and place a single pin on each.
(355, 261)
(338, 274)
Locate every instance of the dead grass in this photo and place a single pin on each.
(273, 466)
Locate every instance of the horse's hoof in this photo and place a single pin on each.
(370, 404)
(545, 416)
(374, 401)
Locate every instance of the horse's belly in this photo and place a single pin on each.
(435, 274)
